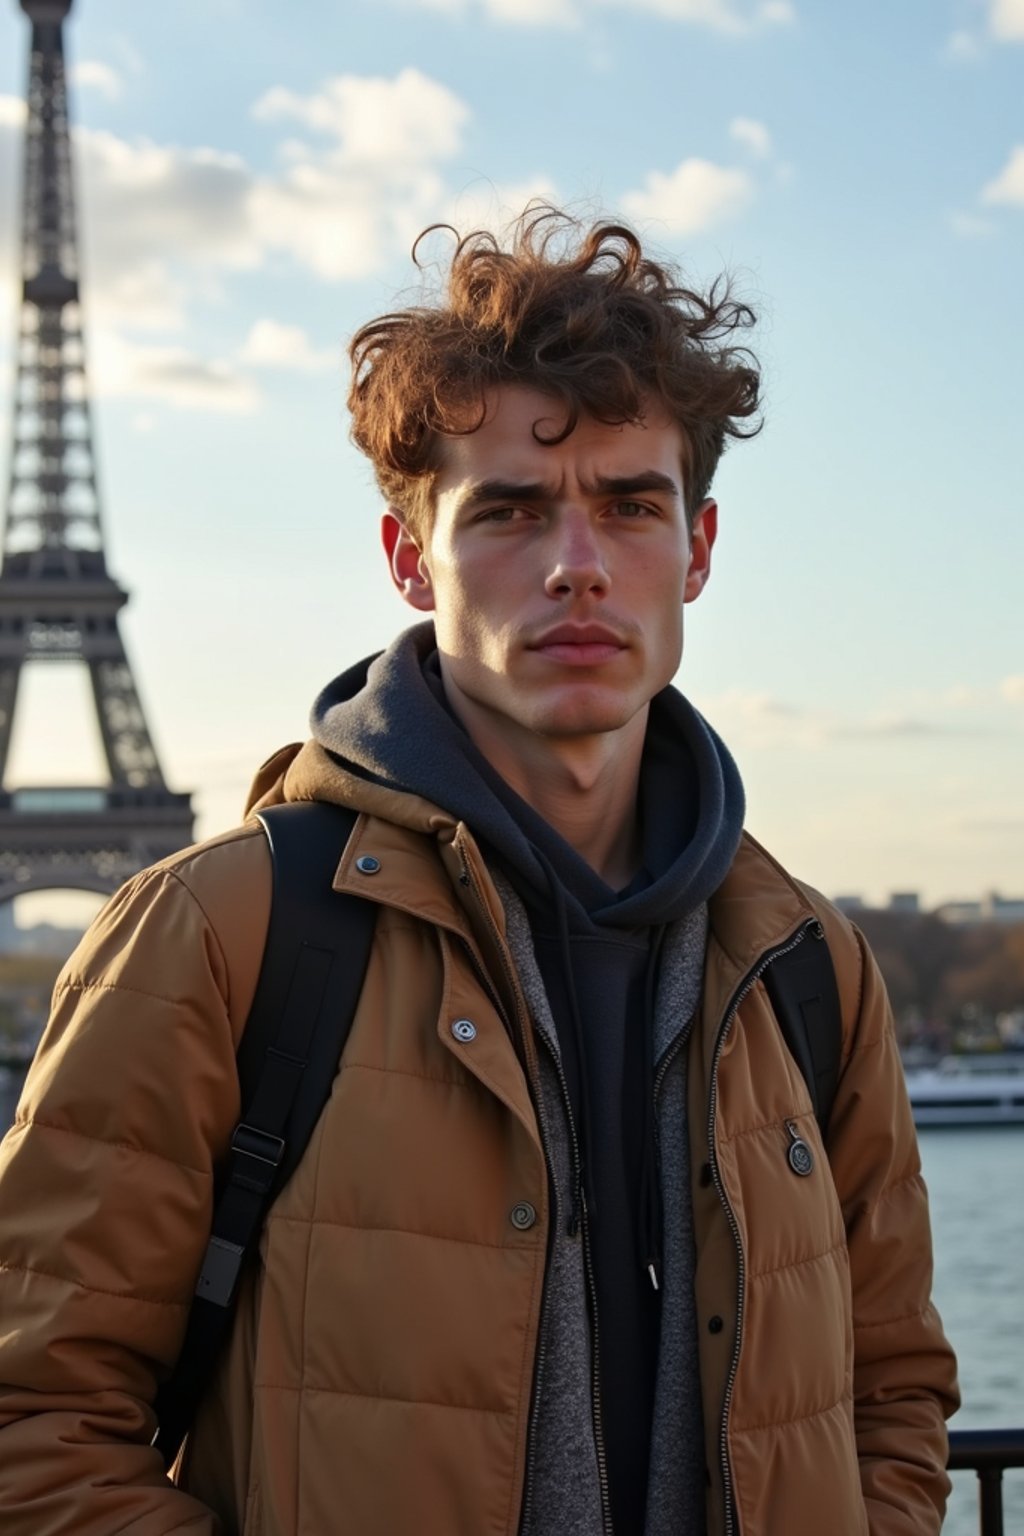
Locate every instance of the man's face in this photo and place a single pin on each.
(556, 574)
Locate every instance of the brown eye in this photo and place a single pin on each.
(500, 515)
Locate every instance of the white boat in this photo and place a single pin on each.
(971, 1089)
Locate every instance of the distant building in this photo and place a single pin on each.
(849, 903)
(905, 901)
(992, 908)
(40, 939)
(47, 939)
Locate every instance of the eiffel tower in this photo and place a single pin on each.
(58, 602)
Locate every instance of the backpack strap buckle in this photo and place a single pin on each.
(222, 1262)
(255, 1157)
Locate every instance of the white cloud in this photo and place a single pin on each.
(341, 225)
(1012, 688)
(752, 135)
(270, 344)
(153, 198)
(91, 74)
(715, 15)
(158, 225)
(162, 224)
(532, 13)
(12, 111)
(173, 374)
(410, 119)
(692, 198)
(1008, 186)
(341, 210)
(1006, 20)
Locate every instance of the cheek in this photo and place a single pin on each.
(461, 620)
(669, 629)
(664, 588)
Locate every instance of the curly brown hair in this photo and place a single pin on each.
(583, 315)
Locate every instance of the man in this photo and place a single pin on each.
(546, 1265)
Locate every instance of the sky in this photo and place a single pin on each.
(250, 179)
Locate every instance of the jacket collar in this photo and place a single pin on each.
(757, 907)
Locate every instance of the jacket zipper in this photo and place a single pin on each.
(538, 1371)
(676, 1045)
(665, 1063)
(746, 986)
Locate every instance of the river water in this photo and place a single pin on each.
(976, 1184)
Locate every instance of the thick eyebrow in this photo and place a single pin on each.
(532, 492)
(505, 490)
(630, 485)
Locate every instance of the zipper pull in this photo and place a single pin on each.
(652, 1270)
(798, 1154)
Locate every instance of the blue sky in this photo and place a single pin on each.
(250, 179)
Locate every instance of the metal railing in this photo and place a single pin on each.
(989, 1452)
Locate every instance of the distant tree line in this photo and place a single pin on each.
(945, 978)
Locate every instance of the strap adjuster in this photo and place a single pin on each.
(255, 1157)
(249, 1141)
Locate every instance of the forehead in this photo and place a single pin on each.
(510, 444)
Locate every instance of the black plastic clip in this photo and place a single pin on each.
(255, 1157)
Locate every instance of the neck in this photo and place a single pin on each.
(585, 787)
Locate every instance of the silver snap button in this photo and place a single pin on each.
(523, 1216)
(367, 864)
(464, 1030)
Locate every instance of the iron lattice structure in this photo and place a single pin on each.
(58, 602)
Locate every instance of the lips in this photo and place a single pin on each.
(578, 634)
(581, 645)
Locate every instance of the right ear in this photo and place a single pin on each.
(406, 563)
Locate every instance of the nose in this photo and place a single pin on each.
(578, 564)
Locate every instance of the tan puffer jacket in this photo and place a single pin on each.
(379, 1377)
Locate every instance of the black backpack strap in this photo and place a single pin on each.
(802, 986)
(314, 963)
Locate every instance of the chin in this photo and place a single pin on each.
(583, 717)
